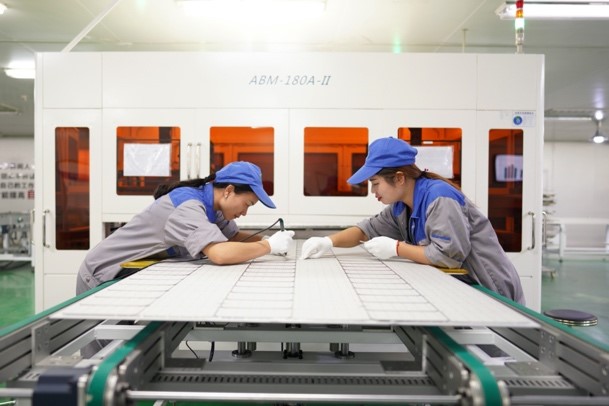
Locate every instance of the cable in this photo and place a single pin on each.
(211, 351)
(281, 226)
(191, 350)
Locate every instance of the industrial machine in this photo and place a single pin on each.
(107, 136)
(345, 328)
(16, 233)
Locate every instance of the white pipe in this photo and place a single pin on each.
(91, 25)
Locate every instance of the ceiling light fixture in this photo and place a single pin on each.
(20, 73)
(2, 8)
(561, 115)
(599, 115)
(557, 10)
(20, 69)
(254, 9)
(598, 137)
(567, 118)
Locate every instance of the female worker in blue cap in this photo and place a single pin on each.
(190, 219)
(428, 220)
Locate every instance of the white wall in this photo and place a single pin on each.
(578, 175)
(16, 150)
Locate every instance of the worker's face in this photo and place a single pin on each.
(384, 191)
(234, 205)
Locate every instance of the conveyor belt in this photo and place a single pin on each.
(547, 363)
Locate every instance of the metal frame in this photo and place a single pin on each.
(552, 364)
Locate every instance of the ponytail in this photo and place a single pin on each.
(414, 172)
(165, 188)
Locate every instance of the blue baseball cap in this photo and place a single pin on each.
(384, 153)
(245, 173)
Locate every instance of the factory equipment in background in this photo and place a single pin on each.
(16, 236)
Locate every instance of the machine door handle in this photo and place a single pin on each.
(32, 217)
(544, 229)
(198, 161)
(188, 159)
(532, 214)
(44, 228)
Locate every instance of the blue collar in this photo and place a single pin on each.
(426, 191)
(204, 194)
(208, 202)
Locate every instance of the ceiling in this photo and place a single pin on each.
(576, 52)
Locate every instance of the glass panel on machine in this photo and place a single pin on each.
(72, 188)
(439, 150)
(505, 187)
(331, 156)
(146, 157)
(252, 144)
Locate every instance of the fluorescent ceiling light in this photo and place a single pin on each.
(568, 118)
(2, 8)
(557, 10)
(20, 73)
(254, 9)
(598, 137)
(599, 115)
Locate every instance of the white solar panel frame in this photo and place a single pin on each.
(348, 286)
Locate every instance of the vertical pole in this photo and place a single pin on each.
(464, 32)
(519, 26)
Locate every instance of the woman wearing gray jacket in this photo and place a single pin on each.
(190, 219)
(428, 220)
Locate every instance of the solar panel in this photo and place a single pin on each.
(348, 286)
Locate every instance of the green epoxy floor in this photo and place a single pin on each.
(580, 285)
(16, 292)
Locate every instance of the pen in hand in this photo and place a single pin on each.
(282, 228)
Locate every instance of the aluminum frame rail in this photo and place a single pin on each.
(442, 373)
(27, 343)
(581, 361)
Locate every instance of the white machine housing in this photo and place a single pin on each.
(288, 91)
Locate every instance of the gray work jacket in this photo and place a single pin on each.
(453, 231)
(180, 226)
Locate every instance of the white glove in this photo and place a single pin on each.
(315, 247)
(382, 247)
(280, 242)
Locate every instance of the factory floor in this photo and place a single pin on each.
(575, 284)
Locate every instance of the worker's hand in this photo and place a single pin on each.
(315, 247)
(382, 247)
(280, 242)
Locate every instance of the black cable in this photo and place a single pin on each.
(279, 220)
(212, 350)
(281, 226)
(191, 350)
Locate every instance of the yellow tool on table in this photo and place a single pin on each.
(139, 264)
(453, 271)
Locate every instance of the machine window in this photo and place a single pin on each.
(331, 156)
(146, 157)
(252, 144)
(72, 188)
(505, 187)
(439, 149)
